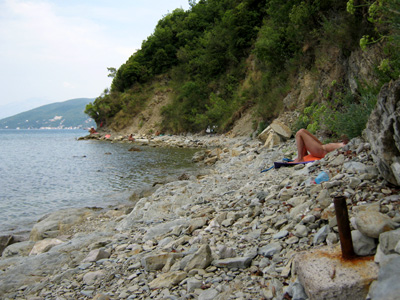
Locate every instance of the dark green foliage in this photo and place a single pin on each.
(384, 17)
(104, 107)
(203, 52)
(352, 118)
(119, 106)
(342, 114)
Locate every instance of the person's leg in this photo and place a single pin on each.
(333, 146)
(301, 148)
(306, 142)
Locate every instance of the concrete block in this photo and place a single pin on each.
(324, 274)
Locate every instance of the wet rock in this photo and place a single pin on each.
(5, 241)
(199, 156)
(18, 249)
(58, 221)
(134, 149)
(31, 270)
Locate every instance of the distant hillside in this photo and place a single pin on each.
(67, 114)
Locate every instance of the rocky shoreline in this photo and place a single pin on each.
(231, 232)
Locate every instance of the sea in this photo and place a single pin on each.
(42, 171)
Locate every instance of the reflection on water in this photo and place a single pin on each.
(42, 171)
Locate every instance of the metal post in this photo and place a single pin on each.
(342, 218)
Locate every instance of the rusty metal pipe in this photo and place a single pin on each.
(342, 218)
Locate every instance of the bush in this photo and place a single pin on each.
(344, 115)
(352, 119)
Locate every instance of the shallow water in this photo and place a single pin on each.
(46, 170)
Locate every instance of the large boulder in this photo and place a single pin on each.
(57, 222)
(275, 133)
(383, 132)
(5, 240)
(388, 285)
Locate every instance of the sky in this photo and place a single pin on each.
(56, 50)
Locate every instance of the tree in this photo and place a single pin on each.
(112, 72)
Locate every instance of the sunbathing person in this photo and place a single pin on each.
(309, 144)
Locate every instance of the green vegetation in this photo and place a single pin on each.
(343, 114)
(222, 57)
(384, 15)
(65, 114)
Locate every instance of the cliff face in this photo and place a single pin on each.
(148, 121)
(331, 67)
(222, 64)
(383, 132)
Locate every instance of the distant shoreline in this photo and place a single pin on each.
(46, 128)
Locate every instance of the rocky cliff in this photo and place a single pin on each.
(383, 132)
(333, 71)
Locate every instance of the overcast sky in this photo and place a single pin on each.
(56, 50)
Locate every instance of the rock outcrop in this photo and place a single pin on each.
(383, 132)
(275, 133)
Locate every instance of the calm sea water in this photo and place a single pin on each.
(46, 170)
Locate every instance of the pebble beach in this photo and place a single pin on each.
(227, 231)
